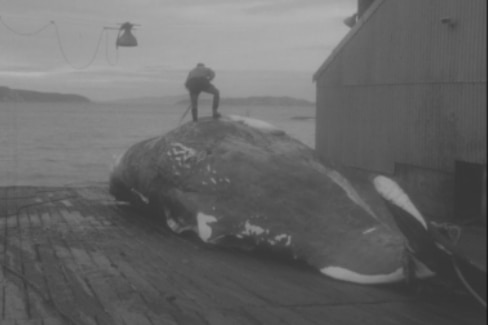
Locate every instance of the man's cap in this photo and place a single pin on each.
(200, 64)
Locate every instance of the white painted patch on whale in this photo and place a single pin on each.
(250, 229)
(178, 228)
(182, 153)
(172, 225)
(340, 273)
(204, 229)
(343, 274)
(254, 123)
(181, 149)
(281, 237)
(288, 241)
(391, 191)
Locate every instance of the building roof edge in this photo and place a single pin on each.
(360, 23)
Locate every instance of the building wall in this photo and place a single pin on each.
(405, 88)
(408, 88)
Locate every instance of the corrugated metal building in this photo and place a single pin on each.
(404, 94)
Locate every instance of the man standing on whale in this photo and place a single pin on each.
(198, 80)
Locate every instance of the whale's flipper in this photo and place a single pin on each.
(431, 246)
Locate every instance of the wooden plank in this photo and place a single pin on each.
(53, 321)
(325, 315)
(14, 293)
(427, 314)
(2, 292)
(68, 297)
(218, 317)
(192, 292)
(36, 288)
(14, 307)
(34, 271)
(24, 254)
(117, 284)
(466, 311)
(396, 314)
(106, 283)
(131, 318)
(28, 322)
(180, 270)
(72, 253)
(293, 317)
(3, 249)
(8, 322)
(263, 315)
(60, 292)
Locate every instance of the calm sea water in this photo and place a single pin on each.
(75, 144)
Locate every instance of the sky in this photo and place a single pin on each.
(256, 47)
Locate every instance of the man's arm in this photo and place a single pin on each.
(187, 79)
(188, 76)
(210, 74)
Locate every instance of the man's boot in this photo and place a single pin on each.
(216, 114)
(215, 103)
(194, 114)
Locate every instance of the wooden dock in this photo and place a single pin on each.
(75, 256)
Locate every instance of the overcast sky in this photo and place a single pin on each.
(256, 47)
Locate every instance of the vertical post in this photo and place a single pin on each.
(483, 197)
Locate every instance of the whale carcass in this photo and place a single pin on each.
(244, 179)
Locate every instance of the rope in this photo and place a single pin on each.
(107, 57)
(41, 294)
(37, 31)
(60, 43)
(36, 204)
(467, 285)
(184, 115)
(65, 57)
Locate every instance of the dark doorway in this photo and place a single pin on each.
(469, 191)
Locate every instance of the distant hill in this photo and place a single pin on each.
(257, 101)
(150, 100)
(18, 95)
(206, 99)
